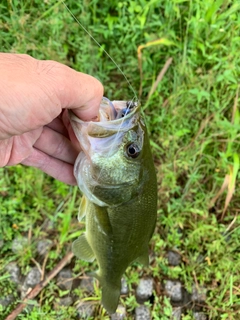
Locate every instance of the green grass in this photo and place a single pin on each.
(194, 126)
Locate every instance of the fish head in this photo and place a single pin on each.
(109, 168)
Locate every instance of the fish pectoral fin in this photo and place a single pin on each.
(82, 249)
(103, 220)
(82, 208)
(144, 258)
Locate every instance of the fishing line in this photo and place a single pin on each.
(100, 46)
(118, 67)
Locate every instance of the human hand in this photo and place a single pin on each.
(34, 128)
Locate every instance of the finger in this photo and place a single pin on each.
(55, 168)
(71, 134)
(40, 90)
(75, 90)
(5, 151)
(56, 145)
(91, 96)
(58, 125)
(18, 148)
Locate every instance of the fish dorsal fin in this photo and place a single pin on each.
(82, 208)
(82, 249)
(144, 258)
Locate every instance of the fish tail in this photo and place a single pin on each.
(110, 298)
(110, 292)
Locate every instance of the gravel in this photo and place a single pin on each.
(66, 301)
(174, 290)
(199, 316)
(174, 258)
(180, 298)
(144, 290)
(6, 301)
(176, 313)
(13, 269)
(142, 313)
(124, 286)
(86, 284)
(18, 244)
(32, 278)
(64, 279)
(85, 309)
(120, 314)
(44, 246)
(199, 294)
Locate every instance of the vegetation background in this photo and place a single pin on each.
(194, 127)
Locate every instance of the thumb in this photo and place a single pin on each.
(75, 90)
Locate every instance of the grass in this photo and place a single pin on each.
(194, 126)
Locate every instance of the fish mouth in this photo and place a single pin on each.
(111, 112)
(114, 110)
(110, 124)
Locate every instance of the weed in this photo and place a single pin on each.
(193, 121)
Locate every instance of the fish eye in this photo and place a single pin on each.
(133, 150)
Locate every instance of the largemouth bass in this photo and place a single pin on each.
(116, 175)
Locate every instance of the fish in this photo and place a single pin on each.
(116, 174)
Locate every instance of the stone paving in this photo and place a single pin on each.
(174, 289)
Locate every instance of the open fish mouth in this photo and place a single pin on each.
(110, 112)
(115, 110)
(115, 118)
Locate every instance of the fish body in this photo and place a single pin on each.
(116, 174)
